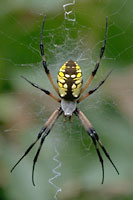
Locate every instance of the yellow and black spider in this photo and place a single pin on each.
(69, 90)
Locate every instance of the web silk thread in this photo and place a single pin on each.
(69, 15)
(57, 174)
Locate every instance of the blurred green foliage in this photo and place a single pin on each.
(23, 110)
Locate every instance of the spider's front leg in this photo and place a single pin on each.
(94, 136)
(49, 124)
(41, 135)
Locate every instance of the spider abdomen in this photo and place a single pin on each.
(70, 80)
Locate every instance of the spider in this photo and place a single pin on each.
(69, 81)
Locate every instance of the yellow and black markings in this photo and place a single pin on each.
(69, 80)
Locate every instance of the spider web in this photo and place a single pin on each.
(60, 45)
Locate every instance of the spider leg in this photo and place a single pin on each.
(93, 90)
(99, 155)
(49, 125)
(44, 59)
(30, 147)
(37, 154)
(99, 60)
(104, 150)
(94, 136)
(45, 91)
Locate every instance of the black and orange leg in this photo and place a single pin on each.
(98, 62)
(49, 124)
(30, 147)
(43, 90)
(93, 90)
(44, 59)
(94, 136)
(45, 129)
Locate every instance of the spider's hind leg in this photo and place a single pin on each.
(44, 59)
(93, 73)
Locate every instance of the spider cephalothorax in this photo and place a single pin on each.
(69, 89)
